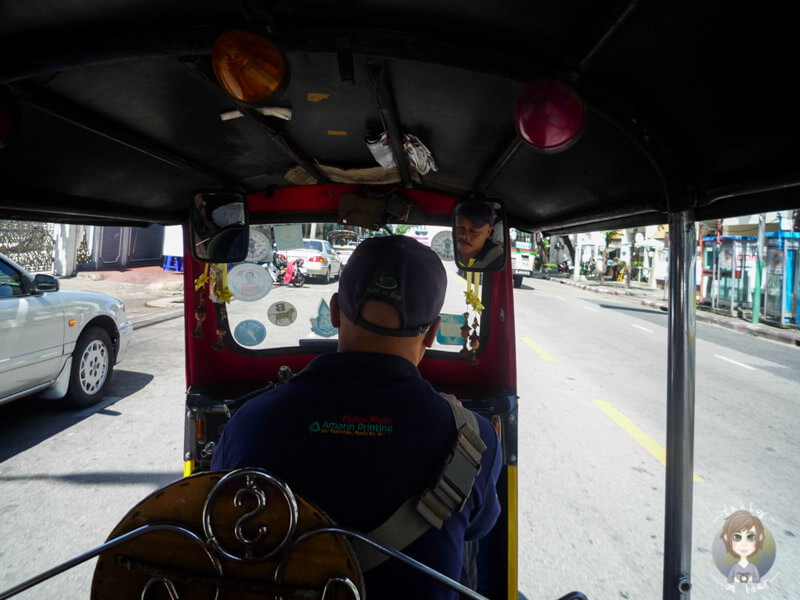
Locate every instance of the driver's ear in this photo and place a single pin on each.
(430, 335)
(335, 316)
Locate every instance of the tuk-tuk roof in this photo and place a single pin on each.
(688, 104)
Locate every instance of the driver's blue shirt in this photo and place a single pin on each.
(358, 434)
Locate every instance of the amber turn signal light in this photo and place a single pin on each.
(248, 66)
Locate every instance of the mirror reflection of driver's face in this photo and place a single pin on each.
(469, 238)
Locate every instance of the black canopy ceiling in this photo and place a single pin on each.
(690, 104)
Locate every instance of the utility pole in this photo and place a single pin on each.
(759, 268)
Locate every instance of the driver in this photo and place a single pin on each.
(359, 431)
(474, 227)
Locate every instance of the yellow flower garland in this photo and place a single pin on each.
(472, 287)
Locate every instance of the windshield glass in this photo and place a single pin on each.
(270, 309)
(521, 240)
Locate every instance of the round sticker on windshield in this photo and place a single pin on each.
(250, 333)
(442, 244)
(260, 246)
(282, 314)
(249, 282)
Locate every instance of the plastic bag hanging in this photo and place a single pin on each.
(419, 156)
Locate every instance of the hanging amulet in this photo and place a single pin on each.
(474, 341)
(200, 316)
(219, 346)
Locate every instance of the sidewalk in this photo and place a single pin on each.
(151, 294)
(657, 298)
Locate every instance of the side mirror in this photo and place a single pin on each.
(219, 227)
(45, 283)
(479, 235)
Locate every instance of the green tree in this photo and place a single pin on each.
(609, 235)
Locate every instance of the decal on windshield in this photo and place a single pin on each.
(449, 333)
(321, 324)
(282, 314)
(249, 333)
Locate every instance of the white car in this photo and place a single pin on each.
(320, 259)
(57, 343)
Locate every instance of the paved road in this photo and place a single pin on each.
(592, 380)
(67, 477)
(592, 395)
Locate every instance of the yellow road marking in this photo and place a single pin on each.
(456, 276)
(538, 349)
(644, 440)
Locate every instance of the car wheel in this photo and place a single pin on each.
(328, 275)
(92, 366)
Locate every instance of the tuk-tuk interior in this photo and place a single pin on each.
(226, 367)
(662, 113)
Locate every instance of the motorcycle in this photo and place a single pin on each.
(285, 272)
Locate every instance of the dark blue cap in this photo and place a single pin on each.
(479, 213)
(398, 271)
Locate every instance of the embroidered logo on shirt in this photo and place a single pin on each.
(372, 426)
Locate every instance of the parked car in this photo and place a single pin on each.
(344, 242)
(62, 344)
(321, 260)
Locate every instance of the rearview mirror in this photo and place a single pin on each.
(219, 227)
(479, 235)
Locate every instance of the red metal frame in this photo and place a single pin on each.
(204, 365)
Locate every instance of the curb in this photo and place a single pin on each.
(597, 288)
(773, 333)
(151, 318)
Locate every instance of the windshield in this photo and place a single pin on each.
(521, 240)
(270, 310)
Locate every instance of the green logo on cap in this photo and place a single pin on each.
(385, 282)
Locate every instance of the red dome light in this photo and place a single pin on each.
(549, 115)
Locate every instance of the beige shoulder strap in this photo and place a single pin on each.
(436, 504)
